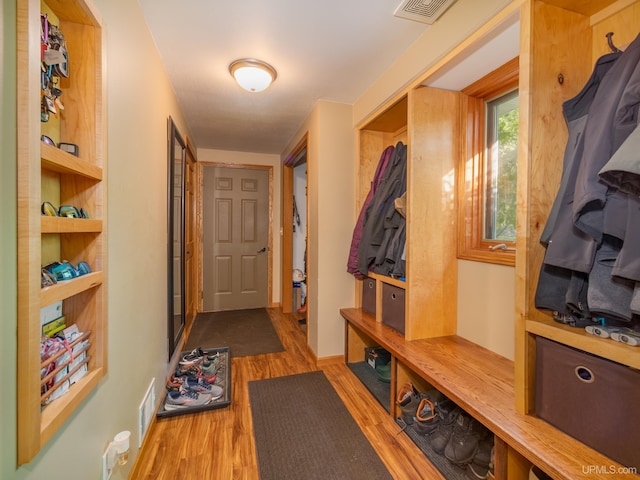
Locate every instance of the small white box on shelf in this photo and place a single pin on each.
(50, 313)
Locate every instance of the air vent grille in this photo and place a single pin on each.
(425, 11)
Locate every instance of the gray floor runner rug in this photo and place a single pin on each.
(245, 332)
(303, 431)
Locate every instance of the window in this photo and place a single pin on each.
(501, 168)
(487, 183)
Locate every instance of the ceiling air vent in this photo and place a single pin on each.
(425, 11)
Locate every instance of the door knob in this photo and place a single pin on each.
(262, 250)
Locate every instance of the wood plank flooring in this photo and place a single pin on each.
(218, 444)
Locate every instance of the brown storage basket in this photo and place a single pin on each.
(594, 400)
(369, 295)
(393, 307)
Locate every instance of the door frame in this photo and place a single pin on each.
(200, 218)
(191, 234)
(287, 226)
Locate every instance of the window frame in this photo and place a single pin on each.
(471, 182)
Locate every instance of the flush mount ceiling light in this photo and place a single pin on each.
(252, 75)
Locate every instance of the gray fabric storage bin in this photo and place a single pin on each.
(393, 310)
(369, 295)
(590, 398)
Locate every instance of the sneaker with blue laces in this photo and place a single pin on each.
(201, 386)
(185, 398)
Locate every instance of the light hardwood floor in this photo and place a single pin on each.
(218, 444)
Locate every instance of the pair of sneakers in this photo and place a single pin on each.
(199, 363)
(198, 357)
(193, 392)
(183, 399)
(177, 381)
(181, 372)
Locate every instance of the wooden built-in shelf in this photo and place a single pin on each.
(70, 225)
(558, 37)
(60, 161)
(482, 383)
(388, 280)
(54, 415)
(393, 119)
(560, 41)
(68, 288)
(46, 172)
(580, 339)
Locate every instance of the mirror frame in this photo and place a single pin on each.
(176, 157)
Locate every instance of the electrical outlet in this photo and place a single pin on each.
(106, 471)
(117, 451)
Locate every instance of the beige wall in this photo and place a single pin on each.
(486, 305)
(246, 158)
(139, 101)
(8, 233)
(331, 218)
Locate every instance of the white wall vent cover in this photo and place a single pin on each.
(425, 11)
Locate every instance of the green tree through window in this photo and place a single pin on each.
(501, 168)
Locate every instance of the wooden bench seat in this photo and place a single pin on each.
(482, 383)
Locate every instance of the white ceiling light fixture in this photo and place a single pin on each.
(252, 75)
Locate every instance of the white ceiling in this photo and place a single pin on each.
(330, 50)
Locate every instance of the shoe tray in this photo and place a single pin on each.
(223, 380)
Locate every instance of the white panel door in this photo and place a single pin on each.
(235, 238)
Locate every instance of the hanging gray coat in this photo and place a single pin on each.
(393, 185)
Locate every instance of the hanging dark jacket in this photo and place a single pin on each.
(383, 163)
(558, 273)
(597, 208)
(597, 213)
(393, 185)
(567, 246)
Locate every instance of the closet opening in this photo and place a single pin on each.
(295, 238)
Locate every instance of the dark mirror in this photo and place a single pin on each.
(175, 280)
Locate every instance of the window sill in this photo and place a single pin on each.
(499, 257)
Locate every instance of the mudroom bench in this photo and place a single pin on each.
(482, 383)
